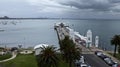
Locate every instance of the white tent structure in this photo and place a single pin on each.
(37, 48)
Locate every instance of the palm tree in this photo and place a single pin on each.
(48, 57)
(69, 51)
(115, 41)
(119, 49)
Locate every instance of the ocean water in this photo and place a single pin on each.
(33, 32)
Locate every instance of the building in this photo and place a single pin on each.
(37, 48)
(89, 38)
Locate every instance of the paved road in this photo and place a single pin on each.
(94, 61)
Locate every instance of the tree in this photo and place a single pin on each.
(69, 51)
(115, 41)
(119, 49)
(48, 57)
(20, 46)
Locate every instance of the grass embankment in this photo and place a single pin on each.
(21, 61)
(3, 57)
(117, 55)
(28, 61)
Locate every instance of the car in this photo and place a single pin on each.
(110, 62)
(81, 62)
(84, 65)
(98, 53)
(103, 56)
(116, 65)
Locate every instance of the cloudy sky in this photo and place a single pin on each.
(61, 8)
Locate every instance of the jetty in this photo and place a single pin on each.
(84, 42)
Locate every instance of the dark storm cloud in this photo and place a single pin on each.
(115, 1)
(61, 8)
(96, 5)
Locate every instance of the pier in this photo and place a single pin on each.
(81, 41)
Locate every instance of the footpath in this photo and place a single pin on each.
(14, 54)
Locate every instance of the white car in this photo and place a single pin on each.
(84, 65)
(109, 61)
(82, 60)
(81, 63)
(98, 53)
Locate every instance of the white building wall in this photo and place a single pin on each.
(89, 38)
(37, 51)
(96, 41)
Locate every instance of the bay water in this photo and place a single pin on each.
(29, 33)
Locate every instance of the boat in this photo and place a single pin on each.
(1, 30)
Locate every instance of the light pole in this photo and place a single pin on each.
(24, 42)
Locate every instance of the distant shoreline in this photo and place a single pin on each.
(56, 18)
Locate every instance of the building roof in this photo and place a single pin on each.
(40, 45)
(82, 37)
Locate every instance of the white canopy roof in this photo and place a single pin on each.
(82, 37)
(40, 45)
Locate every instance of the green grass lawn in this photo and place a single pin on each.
(21, 61)
(3, 57)
(28, 61)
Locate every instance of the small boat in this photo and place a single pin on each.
(1, 30)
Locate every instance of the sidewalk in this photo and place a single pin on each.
(14, 54)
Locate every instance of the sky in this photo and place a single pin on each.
(108, 9)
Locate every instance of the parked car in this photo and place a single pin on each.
(109, 61)
(82, 65)
(81, 62)
(102, 56)
(116, 65)
(98, 53)
(78, 62)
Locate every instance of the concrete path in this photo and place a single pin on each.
(14, 54)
